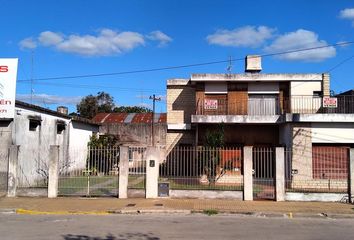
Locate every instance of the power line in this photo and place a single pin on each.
(182, 66)
(87, 86)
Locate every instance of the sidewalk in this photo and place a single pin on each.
(164, 205)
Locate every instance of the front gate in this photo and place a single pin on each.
(94, 173)
(263, 173)
(137, 171)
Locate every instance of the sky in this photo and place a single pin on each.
(54, 39)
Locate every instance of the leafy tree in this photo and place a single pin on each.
(103, 154)
(131, 109)
(90, 105)
(210, 160)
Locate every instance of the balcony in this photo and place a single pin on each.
(268, 108)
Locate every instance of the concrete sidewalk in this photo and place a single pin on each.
(164, 205)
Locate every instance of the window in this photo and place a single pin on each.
(33, 124)
(60, 128)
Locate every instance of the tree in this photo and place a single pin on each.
(131, 109)
(90, 105)
(210, 157)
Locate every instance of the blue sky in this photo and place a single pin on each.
(77, 37)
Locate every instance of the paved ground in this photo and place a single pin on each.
(164, 226)
(104, 205)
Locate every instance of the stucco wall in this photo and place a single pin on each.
(302, 151)
(34, 147)
(136, 134)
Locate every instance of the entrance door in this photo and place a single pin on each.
(263, 173)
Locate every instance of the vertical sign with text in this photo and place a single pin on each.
(8, 75)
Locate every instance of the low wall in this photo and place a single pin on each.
(316, 197)
(206, 194)
(32, 192)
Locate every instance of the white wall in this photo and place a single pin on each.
(35, 145)
(305, 87)
(80, 134)
(333, 132)
(34, 148)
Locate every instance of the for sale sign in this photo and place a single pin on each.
(8, 74)
(210, 104)
(329, 102)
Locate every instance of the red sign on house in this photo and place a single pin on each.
(329, 102)
(210, 104)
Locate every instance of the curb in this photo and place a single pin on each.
(35, 212)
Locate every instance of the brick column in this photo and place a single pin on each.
(325, 84)
(247, 174)
(53, 172)
(123, 172)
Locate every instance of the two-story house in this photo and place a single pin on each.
(259, 109)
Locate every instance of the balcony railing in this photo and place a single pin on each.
(275, 105)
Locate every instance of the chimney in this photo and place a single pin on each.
(253, 63)
(62, 110)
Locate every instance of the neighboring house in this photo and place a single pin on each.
(133, 129)
(34, 129)
(264, 110)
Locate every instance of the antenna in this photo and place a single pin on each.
(229, 67)
(32, 61)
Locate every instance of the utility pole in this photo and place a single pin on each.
(154, 99)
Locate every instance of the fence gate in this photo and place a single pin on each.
(137, 171)
(4, 160)
(264, 173)
(94, 173)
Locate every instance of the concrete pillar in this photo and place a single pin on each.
(247, 174)
(279, 174)
(12, 171)
(351, 177)
(53, 172)
(152, 172)
(123, 171)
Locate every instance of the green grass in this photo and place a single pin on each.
(78, 185)
(210, 212)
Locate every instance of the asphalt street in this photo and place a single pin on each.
(163, 226)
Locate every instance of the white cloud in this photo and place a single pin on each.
(247, 36)
(159, 36)
(347, 13)
(28, 43)
(105, 43)
(49, 38)
(301, 39)
(44, 99)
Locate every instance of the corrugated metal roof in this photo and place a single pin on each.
(129, 118)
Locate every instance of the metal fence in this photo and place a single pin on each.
(137, 168)
(272, 105)
(203, 168)
(324, 170)
(4, 161)
(96, 174)
(263, 173)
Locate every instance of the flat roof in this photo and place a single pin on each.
(207, 77)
